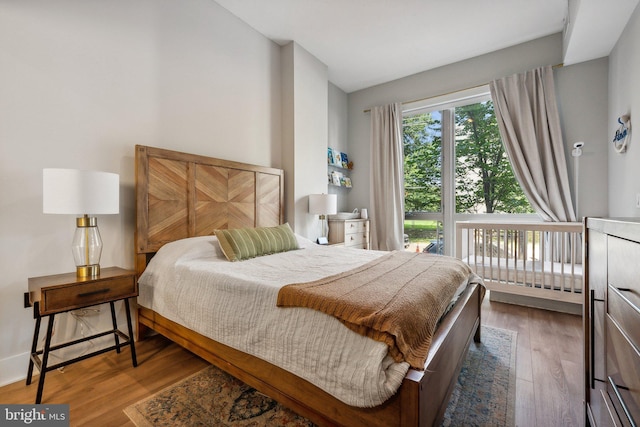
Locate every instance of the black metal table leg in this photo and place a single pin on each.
(45, 357)
(34, 348)
(115, 326)
(131, 342)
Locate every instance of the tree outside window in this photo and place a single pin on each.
(484, 181)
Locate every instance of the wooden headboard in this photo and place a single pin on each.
(181, 195)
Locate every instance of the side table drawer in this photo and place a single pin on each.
(63, 298)
(351, 227)
(351, 240)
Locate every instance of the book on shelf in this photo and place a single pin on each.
(330, 158)
(337, 158)
(336, 178)
(344, 160)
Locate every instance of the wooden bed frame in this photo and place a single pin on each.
(183, 195)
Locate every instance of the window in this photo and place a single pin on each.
(455, 167)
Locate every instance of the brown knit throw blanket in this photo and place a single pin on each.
(396, 299)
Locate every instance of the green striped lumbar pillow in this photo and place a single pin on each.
(244, 243)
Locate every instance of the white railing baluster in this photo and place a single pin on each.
(524, 257)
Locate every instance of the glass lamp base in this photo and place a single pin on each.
(87, 247)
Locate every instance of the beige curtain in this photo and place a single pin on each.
(527, 114)
(387, 178)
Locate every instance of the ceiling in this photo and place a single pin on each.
(368, 42)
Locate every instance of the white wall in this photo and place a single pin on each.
(339, 137)
(481, 70)
(582, 103)
(305, 132)
(81, 83)
(624, 98)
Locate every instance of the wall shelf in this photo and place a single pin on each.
(337, 165)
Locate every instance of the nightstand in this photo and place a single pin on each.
(50, 295)
(351, 233)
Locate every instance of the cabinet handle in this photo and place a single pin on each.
(592, 306)
(619, 397)
(99, 291)
(592, 328)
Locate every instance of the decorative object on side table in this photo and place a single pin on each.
(80, 192)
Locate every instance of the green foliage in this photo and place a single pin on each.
(422, 164)
(484, 178)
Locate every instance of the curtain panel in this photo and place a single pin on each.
(527, 115)
(387, 178)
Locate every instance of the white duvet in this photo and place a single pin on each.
(191, 282)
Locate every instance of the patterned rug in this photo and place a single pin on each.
(486, 390)
(484, 395)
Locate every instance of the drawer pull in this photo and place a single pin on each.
(619, 397)
(97, 292)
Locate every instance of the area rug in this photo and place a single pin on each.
(486, 389)
(484, 395)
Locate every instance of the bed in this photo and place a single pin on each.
(182, 196)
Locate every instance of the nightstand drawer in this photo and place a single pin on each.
(64, 292)
(351, 227)
(86, 294)
(351, 240)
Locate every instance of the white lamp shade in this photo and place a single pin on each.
(72, 191)
(323, 204)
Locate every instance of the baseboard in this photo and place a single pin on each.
(14, 369)
(543, 303)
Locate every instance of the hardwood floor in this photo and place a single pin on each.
(548, 390)
(549, 363)
(98, 389)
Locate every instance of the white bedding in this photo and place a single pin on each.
(191, 282)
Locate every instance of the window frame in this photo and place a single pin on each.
(446, 104)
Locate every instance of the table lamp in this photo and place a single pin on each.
(323, 205)
(82, 192)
